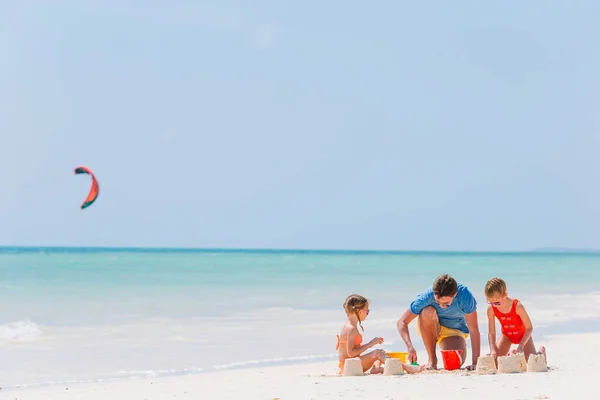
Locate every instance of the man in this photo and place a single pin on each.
(447, 314)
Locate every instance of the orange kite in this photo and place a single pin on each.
(94, 190)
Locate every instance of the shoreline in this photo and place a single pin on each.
(570, 363)
(318, 352)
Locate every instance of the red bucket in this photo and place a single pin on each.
(451, 359)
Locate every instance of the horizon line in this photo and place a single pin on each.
(289, 250)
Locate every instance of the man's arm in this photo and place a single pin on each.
(473, 326)
(414, 309)
(402, 325)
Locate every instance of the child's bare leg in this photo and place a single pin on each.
(368, 360)
(412, 369)
(529, 349)
(542, 350)
(503, 345)
(376, 368)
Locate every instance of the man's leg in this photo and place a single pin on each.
(429, 326)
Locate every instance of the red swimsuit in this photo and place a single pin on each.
(512, 324)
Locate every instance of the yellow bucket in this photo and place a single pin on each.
(401, 355)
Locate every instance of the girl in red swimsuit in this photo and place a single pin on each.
(516, 327)
(349, 341)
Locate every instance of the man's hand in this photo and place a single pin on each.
(471, 367)
(412, 354)
(402, 326)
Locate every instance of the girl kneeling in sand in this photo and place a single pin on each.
(514, 320)
(350, 345)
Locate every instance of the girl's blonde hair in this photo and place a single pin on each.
(495, 285)
(353, 304)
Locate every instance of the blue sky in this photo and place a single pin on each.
(395, 125)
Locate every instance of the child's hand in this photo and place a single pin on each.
(494, 352)
(520, 348)
(375, 341)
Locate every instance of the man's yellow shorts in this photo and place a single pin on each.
(445, 332)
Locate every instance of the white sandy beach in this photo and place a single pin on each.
(573, 374)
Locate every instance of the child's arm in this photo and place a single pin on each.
(528, 326)
(492, 331)
(357, 351)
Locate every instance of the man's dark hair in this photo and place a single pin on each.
(445, 286)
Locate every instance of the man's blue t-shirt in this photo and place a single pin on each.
(450, 317)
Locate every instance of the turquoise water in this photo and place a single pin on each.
(125, 312)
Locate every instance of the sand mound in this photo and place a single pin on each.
(514, 363)
(486, 365)
(393, 366)
(353, 367)
(537, 363)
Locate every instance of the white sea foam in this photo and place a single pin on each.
(138, 374)
(20, 331)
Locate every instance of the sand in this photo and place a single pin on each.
(572, 374)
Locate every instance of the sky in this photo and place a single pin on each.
(321, 125)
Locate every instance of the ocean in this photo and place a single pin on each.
(89, 314)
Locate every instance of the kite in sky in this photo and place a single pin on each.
(94, 190)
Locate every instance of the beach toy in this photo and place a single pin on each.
(393, 366)
(537, 363)
(414, 363)
(353, 367)
(401, 355)
(451, 359)
(486, 365)
(513, 363)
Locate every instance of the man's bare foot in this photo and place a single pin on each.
(431, 365)
(413, 369)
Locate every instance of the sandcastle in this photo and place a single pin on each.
(513, 363)
(537, 363)
(393, 366)
(486, 365)
(353, 367)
